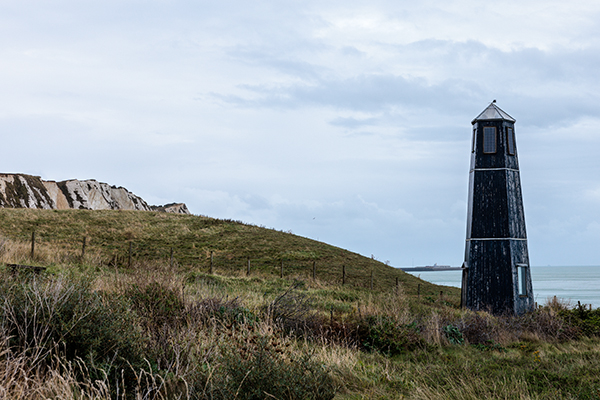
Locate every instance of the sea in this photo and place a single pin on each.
(571, 284)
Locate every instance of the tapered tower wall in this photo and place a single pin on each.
(496, 275)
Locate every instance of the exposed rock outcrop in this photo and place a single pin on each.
(175, 208)
(27, 191)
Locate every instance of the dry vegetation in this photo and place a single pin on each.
(97, 327)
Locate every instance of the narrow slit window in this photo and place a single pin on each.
(522, 279)
(510, 140)
(474, 138)
(489, 139)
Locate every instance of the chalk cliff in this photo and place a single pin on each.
(27, 191)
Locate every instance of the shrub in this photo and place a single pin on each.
(229, 311)
(45, 315)
(478, 327)
(585, 320)
(383, 334)
(292, 310)
(255, 368)
(157, 303)
(162, 313)
(547, 324)
(453, 334)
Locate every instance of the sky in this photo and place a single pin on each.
(347, 122)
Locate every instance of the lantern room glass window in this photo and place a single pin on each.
(510, 140)
(489, 139)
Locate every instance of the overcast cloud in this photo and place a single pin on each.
(342, 121)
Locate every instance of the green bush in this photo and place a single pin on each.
(453, 334)
(44, 315)
(156, 303)
(585, 320)
(384, 334)
(228, 311)
(254, 368)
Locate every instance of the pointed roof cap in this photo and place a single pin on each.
(493, 112)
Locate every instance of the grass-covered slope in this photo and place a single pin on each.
(162, 327)
(152, 236)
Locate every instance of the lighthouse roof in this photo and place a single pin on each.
(493, 112)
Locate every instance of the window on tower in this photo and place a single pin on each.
(510, 140)
(522, 279)
(489, 139)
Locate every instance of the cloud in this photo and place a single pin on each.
(455, 77)
(356, 114)
(353, 123)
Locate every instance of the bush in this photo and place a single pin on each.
(583, 319)
(157, 304)
(453, 334)
(292, 310)
(255, 368)
(43, 316)
(478, 328)
(383, 334)
(229, 311)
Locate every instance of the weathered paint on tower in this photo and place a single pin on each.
(496, 273)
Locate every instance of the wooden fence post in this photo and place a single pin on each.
(83, 247)
(32, 244)
(343, 274)
(130, 250)
(211, 262)
(419, 291)
(397, 285)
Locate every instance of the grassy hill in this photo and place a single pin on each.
(192, 239)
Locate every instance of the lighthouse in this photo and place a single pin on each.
(496, 272)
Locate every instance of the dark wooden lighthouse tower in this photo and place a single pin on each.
(496, 274)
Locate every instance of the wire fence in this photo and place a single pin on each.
(127, 254)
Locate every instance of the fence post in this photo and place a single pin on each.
(314, 270)
(397, 285)
(343, 274)
(129, 259)
(32, 244)
(83, 247)
(211, 262)
(281, 270)
(248, 268)
(419, 291)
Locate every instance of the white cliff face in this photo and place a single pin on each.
(23, 191)
(94, 195)
(26, 191)
(57, 196)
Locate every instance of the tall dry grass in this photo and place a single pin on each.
(47, 253)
